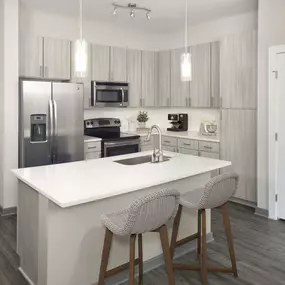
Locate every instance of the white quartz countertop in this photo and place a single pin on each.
(72, 184)
(186, 135)
(91, 139)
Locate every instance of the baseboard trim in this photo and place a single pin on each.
(26, 276)
(8, 211)
(243, 202)
(155, 262)
(261, 212)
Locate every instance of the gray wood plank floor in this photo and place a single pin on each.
(259, 244)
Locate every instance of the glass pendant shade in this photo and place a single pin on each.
(81, 57)
(186, 67)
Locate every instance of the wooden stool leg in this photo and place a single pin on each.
(105, 255)
(204, 249)
(140, 260)
(167, 256)
(199, 235)
(132, 259)
(175, 231)
(227, 224)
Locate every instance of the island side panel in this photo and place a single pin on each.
(27, 232)
(32, 234)
(75, 235)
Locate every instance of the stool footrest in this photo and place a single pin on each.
(120, 268)
(198, 268)
(186, 240)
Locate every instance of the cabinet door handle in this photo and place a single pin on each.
(207, 147)
(41, 71)
(92, 147)
(212, 102)
(188, 144)
(46, 72)
(167, 141)
(221, 102)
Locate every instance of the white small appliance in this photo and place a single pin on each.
(208, 128)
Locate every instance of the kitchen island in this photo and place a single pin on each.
(60, 235)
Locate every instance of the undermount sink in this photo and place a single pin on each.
(139, 160)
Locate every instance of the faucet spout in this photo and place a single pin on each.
(157, 155)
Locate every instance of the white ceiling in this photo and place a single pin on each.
(167, 15)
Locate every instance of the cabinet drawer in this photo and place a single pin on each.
(92, 155)
(186, 143)
(169, 148)
(92, 146)
(169, 141)
(209, 147)
(188, 151)
(209, 154)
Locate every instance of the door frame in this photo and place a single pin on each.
(272, 130)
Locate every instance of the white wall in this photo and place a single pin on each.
(271, 25)
(9, 103)
(49, 25)
(156, 115)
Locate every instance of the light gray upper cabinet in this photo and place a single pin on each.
(31, 57)
(215, 74)
(179, 90)
(200, 90)
(149, 78)
(239, 71)
(100, 63)
(57, 59)
(118, 64)
(134, 77)
(86, 80)
(164, 78)
(238, 145)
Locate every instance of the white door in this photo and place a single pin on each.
(280, 93)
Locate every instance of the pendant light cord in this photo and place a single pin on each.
(81, 19)
(186, 26)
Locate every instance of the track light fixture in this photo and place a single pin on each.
(133, 7)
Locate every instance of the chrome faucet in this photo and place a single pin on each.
(157, 155)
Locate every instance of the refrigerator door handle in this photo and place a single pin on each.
(51, 129)
(55, 119)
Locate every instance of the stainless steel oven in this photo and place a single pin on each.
(109, 94)
(121, 147)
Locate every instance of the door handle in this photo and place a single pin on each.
(51, 130)
(55, 119)
(123, 97)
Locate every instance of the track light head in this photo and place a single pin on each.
(115, 12)
(148, 15)
(132, 14)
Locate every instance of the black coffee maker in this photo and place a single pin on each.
(179, 122)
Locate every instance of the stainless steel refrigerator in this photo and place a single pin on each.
(50, 123)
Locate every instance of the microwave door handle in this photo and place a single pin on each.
(123, 96)
(51, 129)
(55, 129)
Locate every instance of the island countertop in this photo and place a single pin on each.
(76, 183)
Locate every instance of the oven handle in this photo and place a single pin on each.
(123, 97)
(124, 143)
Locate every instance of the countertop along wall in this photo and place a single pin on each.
(271, 32)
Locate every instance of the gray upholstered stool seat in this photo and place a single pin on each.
(147, 214)
(215, 194)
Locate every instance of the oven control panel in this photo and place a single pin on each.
(102, 123)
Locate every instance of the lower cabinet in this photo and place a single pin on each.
(188, 151)
(169, 148)
(92, 150)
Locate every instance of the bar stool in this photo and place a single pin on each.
(147, 214)
(215, 194)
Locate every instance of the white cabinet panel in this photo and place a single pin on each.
(200, 92)
(86, 80)
(134, 77)
(169, 148)
(188, 151)
(118, 64)
(238, 145)
(169, 141)
(31, 56)
(57, 59)
(215, 74)
(149, 78)
(239, 71)
(186, 143)
(100, 63)
(164, 78)
(179, 90)
(209, 146)
(92, 155)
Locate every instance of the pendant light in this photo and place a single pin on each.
(81, 48)
(186, 57)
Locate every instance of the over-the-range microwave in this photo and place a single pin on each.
(109, 94)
